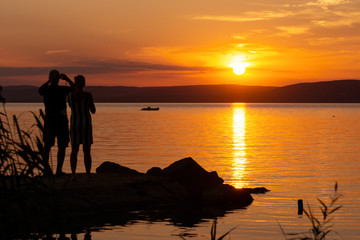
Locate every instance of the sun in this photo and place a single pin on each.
(239, 67)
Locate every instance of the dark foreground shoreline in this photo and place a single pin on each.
(183, 193)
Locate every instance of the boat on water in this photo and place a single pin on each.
(150, 109)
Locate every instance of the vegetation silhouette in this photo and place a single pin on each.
(22, 161)
(321, 227)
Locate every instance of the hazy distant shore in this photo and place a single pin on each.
(338, 91)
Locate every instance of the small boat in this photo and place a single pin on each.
(150, 109)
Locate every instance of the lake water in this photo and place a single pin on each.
(298, 151)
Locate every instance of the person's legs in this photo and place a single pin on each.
(46, 154)
(60, 160)
(73, 157)
(62, 132)
(49, 141)
(87, 157)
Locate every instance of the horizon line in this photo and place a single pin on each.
(192, 85)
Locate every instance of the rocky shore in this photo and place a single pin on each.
(115, 189)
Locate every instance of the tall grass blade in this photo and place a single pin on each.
(213, 230)
(220, 238)
(335, 209)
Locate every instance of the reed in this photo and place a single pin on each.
(21, 151)
(321, 226)
(22, 192)
(214, 231)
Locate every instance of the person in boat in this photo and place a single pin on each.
(81, 104)
(149, 108)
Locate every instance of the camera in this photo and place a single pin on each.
(62, 76)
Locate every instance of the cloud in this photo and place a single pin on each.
(326, 41)
(229, 18)
(320, 3)
(57, 51)
(326, 3)
(287, 31)
(239, 37)
(336, 13)
(23, 71)
(247, 17)
(328, 6)
(334, 23)
(338, 44)
(339, 19)
(101, 67)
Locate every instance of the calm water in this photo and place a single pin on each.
(295, 150)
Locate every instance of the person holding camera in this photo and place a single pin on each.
(56, 121)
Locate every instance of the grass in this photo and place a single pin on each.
(321, 227)
(21, 151)
(21, 162)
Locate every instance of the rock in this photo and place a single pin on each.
(110, 167)
(227, 196)
(184, 189)
(258, 190)
(191, 175)
(154, 171)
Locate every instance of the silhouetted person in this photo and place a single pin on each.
(81, 104)
(56, 121)
(1, 98)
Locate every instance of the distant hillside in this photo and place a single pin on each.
(200, 93)
(347, 91)
(21, 94)
(338, 91)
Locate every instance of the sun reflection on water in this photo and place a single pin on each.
(239, 146)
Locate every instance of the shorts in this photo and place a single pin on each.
(56, 127)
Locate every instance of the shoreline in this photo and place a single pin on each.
(122, 197)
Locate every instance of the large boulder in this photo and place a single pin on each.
(110, 167)
(154, 171)
(258, 190)
(227, 196)
(191, 175)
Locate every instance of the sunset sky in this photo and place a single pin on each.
(180, 42)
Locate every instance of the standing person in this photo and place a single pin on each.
(81, 104)
(1, 98)
(56, 121)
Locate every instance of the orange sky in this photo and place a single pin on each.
(162, 42)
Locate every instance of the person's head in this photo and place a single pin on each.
(54, 77)
(79, 81)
